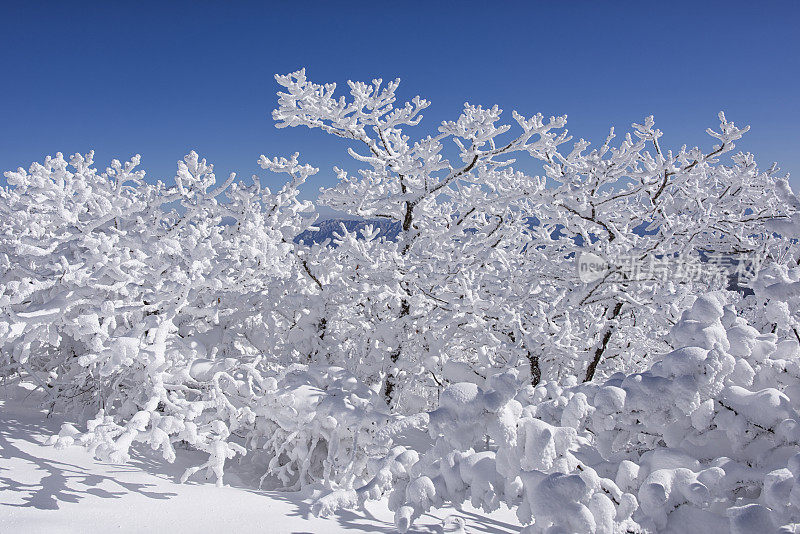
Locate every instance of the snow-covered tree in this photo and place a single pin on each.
(636, 396)
(482, 276)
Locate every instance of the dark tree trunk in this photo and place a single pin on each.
(536, 372)
(533, 361)
(598, 353)
(394, 357)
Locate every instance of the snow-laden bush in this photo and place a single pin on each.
(709, 434)
(489, 449)
(312, 425)
(111, 301)
(774, 305)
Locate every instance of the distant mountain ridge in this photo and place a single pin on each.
(386, 228)
(390, 229)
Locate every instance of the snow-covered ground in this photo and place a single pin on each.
(66, 491)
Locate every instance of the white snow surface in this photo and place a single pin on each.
(46, 490)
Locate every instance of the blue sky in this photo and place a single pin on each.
(159, 80)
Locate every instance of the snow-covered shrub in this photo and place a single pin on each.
(697, 433)
(113, 301)
(319, 425)
(704, 432)
(774, 305)
(488, 449)
(310, 425)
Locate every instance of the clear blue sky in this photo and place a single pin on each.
(163, 78)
